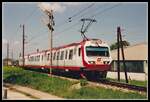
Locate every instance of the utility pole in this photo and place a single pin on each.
(23, 42)
(118, 60)
(123, 58)
(50, 26)
(12, 54)
(7, 52)
(119, 37)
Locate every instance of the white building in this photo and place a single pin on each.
(136, 59)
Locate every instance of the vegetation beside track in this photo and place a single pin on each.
(61, 87)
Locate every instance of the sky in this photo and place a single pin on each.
(131, 17)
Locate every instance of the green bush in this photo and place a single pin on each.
(83, 82)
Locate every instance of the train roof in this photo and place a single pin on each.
(64, 46)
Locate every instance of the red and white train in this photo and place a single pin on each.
(90, 56)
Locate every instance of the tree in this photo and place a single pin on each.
(115, 45)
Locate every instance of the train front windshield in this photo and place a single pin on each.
(97, 51)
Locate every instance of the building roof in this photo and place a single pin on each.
(134, 52)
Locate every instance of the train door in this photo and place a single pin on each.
(44, 59)
(75, 56)
(65, 57)
(79, 56)
(61, 59)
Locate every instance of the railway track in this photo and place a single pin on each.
(125, 85)
(104, 82)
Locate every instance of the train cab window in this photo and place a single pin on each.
(70, 54)
(79, 51)
(66, 54)
(97, 51)
(57, 55)
(62, 55)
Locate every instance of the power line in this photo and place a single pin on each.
(81, 11)
(67, 19)
(30, 15)
(84, 9)
(105, 10)
(67, 29)
(85, 13)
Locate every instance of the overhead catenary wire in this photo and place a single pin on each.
(28, 17)
(106, 9)
(94, 15)
(81, 11)
(76, 14)
(86, 8)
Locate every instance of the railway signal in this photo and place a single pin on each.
(50, 26)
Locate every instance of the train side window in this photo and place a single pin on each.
(48, 56)
(39, 58)
(57, 55)
(62, 55)
(79, 51)
(66, 54)
(32, 58)
(36, 58)
(54, 54)
(70, 54)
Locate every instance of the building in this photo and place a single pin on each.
(7, 61)
(136, 60)
(10, 62)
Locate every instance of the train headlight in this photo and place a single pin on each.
(91, 62)
(106, 62)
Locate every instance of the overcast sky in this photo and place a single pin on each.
(131, 17)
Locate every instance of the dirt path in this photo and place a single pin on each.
(36, 94)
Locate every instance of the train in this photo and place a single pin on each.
(91, 57)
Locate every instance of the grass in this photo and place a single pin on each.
(61, 87)
(36, 80)
(102, 93)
